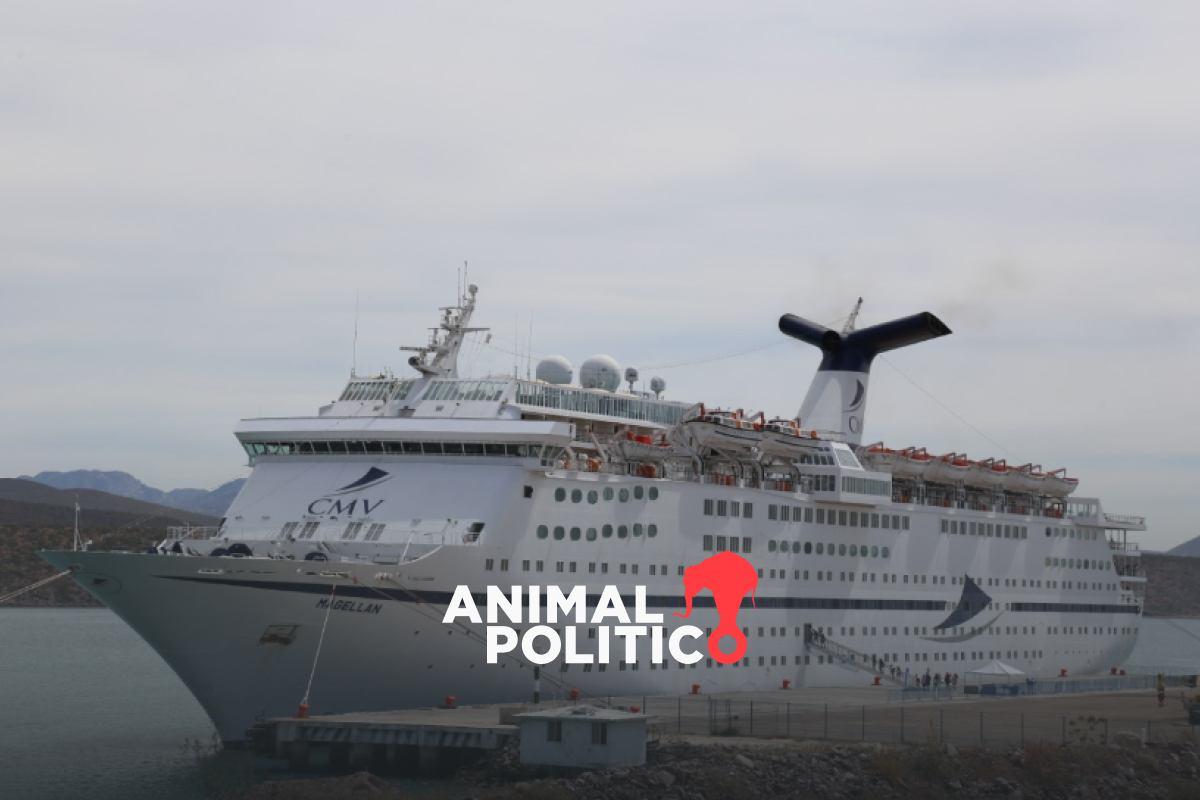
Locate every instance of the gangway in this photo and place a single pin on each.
(847, 656)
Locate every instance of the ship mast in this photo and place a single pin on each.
(439, 358)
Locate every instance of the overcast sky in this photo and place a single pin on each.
(191, 195)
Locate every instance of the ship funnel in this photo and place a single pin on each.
(837, 398)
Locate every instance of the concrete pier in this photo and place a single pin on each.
(414, 741)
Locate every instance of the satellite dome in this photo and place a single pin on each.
(600, 372)
(555, 369)
(657, 385)
(631, 376)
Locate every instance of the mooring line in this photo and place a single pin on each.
(317, 655)
(35, 585)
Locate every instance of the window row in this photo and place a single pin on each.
(589, 401)
(372, 447)
(608, 493)
(1071, 533)
(839, 517)
(997, 530)
(575, 533)
(873, 486)
(728, 508)
(377, 390)
(466, 390)
(1078, 563)
(820, 549)
(732, 544)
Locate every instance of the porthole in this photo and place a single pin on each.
(820, 549)
(608, 493)
(652, 530)
(854, 550)
(637, 529)
(591, 534)
(874, 551)
(639, 492)
(559, 532)
(795, 547)
(593, 497)
(576, 495)
(560, 494)
(575, 533)
(622, 531)
(653, 492)
(771, 546)
(808, 548)
(542, 531)
(885, 552)
(624, 496)
(606, 531)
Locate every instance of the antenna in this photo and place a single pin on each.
(76, 544)
(529, 348)
(354, 353)
(853, 318)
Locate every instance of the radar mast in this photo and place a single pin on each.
(439, 358)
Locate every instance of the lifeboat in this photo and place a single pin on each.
(884, 458)
(1027, 478)
(989, 473)
(784, 439)
(912, 462)
(726, 431)
(639, 447)
(1057, 484)
(950, 468)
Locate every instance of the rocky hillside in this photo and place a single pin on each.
(743, 771)
(1172, 586)
(202, 501)
(34, 517)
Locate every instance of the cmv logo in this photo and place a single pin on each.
(334, 504)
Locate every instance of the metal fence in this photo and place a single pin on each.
(1031, 687)
(901, 724)
(895, 724)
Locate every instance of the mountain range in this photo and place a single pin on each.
(212, 503)
(1189, 548)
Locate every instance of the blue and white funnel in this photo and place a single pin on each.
(837, 398)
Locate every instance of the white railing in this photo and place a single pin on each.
(192, 531)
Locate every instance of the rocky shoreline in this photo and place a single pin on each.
(705, 769)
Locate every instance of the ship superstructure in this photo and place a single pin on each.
(362, 519)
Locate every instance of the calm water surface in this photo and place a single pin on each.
(88, 710)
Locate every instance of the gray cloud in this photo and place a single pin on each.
(191, 196)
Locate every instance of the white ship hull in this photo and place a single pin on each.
(386, 645)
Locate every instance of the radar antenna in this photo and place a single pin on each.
(853, 318)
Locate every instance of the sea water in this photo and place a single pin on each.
(88, 710)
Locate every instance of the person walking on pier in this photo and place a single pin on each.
(1161, 685)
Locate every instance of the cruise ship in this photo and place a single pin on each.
(329, 578)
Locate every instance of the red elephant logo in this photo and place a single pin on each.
(730, 578)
